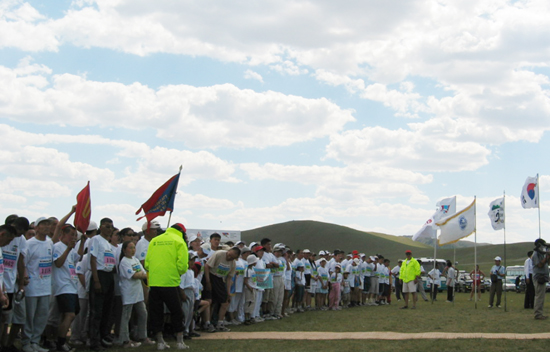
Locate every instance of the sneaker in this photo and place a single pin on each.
(247, 322)
(76, 342)
(259, 319)
(194, 334)
(235, 322)
(181, 346)
(498, 306)
(270, 317)
(210, 328)
(161, 346)
(105, 342)
(147, 342)
(131, 344)
(222, 328)
(35, 347)
(542, 317)
(489, 306)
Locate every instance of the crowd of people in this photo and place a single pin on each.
(110, 287)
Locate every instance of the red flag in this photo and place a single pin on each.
(161, 201)
(83, 212)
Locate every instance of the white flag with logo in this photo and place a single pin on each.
(457, 226)
(530, 193)
(428, 230)
(445, 207)
(496, 213)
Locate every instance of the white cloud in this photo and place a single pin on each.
(249, 74)
(200, 117)
(411, 150)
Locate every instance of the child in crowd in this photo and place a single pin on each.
(249, 289)
(131, 274)
(346, 289)
(322, 286)
(336, 280)
(300, 281)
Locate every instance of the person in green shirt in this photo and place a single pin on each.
(409, 276)
(166, 260)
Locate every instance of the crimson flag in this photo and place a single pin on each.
(83, 212)
(161, 201)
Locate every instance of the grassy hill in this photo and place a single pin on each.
(318, 236)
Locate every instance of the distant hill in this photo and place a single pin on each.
(316, 236)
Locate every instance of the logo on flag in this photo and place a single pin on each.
(496, 213)
(445, 207)
(457, 226)
(462, 222)
(530, 193)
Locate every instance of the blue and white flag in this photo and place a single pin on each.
(457, 226)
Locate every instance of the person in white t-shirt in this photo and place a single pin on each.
(434, 278)
(65, 282)
(79, 328)
(395, 273)
(250, 289)
(7, 234)
(236, 307)
(15, 280)
(188, 295)
(131, 275)
(322, 285)
(37, 294)
(102, 264)
(336, 279)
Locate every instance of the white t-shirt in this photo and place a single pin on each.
(130, 289)
(141, 248)
(86, 244)
(251, 275)
(186, 280)
(280, 270)
(101, 249)
(39, 267)
(436, 274)
(116, 253)
(336, 278)
(396, 269)
(323, 274)
(65, 280)
(11, 254)
(238, 281)
(83, 268)
(288, 272)
(1, 267)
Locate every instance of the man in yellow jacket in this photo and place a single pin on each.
(166, 260)
(409, 274)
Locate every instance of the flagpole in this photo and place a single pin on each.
(504, 228)
(433, 276)
(538, 202)
(456, 273)
(474, 279)
(175, 190)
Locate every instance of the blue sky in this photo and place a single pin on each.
(363, 114)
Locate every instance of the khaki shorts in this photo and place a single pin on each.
(409, 287)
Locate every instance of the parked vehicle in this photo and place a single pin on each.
(428, 264)
(512, 273)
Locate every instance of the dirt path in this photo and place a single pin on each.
(318, 335)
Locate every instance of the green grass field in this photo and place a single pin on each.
(438, 317)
